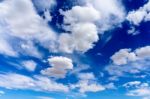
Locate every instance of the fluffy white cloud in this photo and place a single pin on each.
(127, 62)
(60, 66)
(83, 30)
(123, 56)
(37, 83)
(137, 16)
(85, 22)
(80, 14)
(110, 17)
(143, 52)
(23, 23)
(87, 83)
(29, 65)
(29, 23)
(82, 38)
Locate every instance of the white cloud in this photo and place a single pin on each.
(127, 62)
(60, 66)
(111, 16)
(138, 89)
(86, 86)
(123, 56)
(37, 83)
(137, 16)
(26, 26)
(85, 22)
(29, 65)
(139, 92)
(28, 48)
(23, 23)
(87, 83)
(143, 52)
(80, 14)
(81, 39)
(5, 47)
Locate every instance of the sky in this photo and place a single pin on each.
(74, 49)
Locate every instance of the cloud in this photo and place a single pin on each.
(29, 65)
(24, 24)
(83, 30)
(123, 56)
(5, 47)
(60, 66)
(87, 83)
(127, 62)
(37, 83)
(137, 16)
(110, 17)
(41, 5)
(138, 89)
(81, 39)
(84, 23)
(79, 14)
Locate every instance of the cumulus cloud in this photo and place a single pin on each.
(85, 22)
(59, 67)
(79, 14)
(37, 83)
(123, 56)
(127, 62)
(82, 38)
(137, 16)
(83, 30)
(29, 65)
(87, 83)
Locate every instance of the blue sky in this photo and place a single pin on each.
(74, 49)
